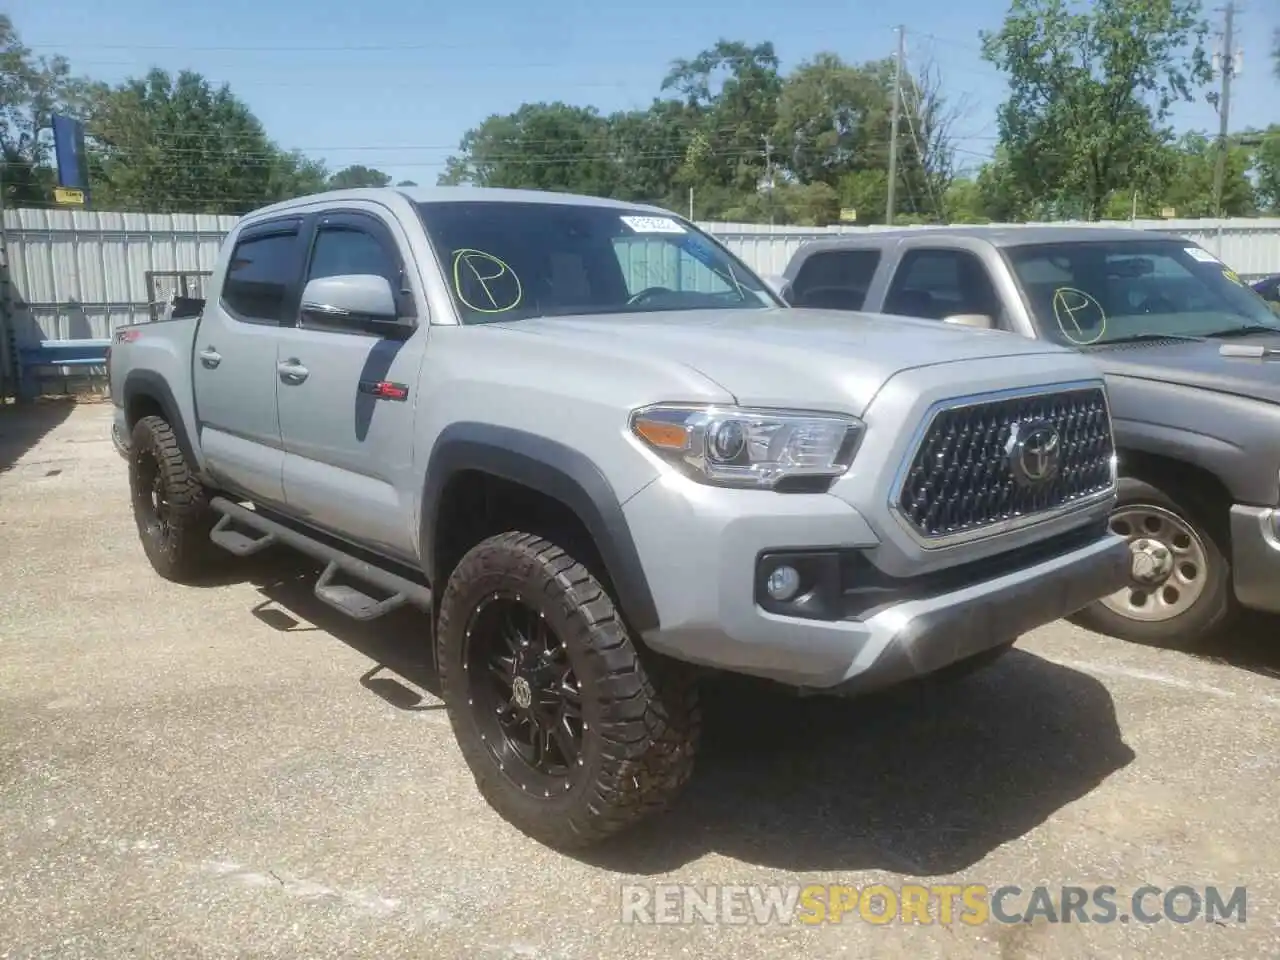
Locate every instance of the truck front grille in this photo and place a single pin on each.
(1003, 462)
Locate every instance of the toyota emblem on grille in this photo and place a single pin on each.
(1035, 453)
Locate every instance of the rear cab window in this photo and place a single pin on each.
(936, 283)
(835, 279)
(262, 272)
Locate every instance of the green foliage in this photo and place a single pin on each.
(1091, 89)
(748, 142)
(1267, 170)
(31, 89)
(358, 175)
(169, 144)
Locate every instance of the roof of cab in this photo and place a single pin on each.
(997, 235)
(454, 194)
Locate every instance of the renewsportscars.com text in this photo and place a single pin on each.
(969, 904)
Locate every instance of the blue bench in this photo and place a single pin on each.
(58, 353)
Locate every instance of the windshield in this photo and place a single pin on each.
(512, 261)
(1085, 292)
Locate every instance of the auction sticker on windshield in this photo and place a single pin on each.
(653, 225)
(1204, 256)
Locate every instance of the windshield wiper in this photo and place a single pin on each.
(1241, 331)
(1143, 338)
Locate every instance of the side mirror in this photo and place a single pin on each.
(358, 299)
(978, 320)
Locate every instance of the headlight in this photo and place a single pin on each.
(735, 447)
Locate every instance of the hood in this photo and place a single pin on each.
(1197, 364)
(835, 359)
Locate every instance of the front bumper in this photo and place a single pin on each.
(703, 548)
(1255, 550)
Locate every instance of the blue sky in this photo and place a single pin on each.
(394, 85)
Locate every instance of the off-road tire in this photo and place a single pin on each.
(179, 550)
(642, 715)
(1213, 612)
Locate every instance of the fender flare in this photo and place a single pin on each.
(556, 471)
(148, 383)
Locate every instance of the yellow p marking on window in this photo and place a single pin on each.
(486, 269)
(1068, 303)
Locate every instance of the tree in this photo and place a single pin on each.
(406, 183)
(358, 175)
(167, 144)
(1189, 190)
(650, 148)
(542, 146)
(1091, 92)
(1266, 168)
(31, 90)
(732, 88)
(296, 175)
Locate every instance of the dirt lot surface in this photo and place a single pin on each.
(233, 771)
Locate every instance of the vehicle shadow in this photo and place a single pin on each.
(23, 425)
(922, 780)
(399, 643)
(1254, 646)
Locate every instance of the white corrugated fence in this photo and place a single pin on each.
(79, 275)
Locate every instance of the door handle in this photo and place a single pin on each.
(210, 358)
(292, 372)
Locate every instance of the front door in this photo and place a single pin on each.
(348, 396)
(234, 367)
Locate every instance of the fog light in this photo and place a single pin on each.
(783, 583)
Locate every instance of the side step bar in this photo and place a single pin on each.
(346, 599)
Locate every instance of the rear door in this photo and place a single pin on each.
(935, 283)
(234, 367)
(836, 279)
(348, 394)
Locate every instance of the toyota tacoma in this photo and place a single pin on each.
(605, 458)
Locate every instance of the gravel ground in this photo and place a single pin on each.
(235, 771)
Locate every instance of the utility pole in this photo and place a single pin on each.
(895, 116)
(767, 153)
(1226, 70)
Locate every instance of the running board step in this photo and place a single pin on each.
(241, 544)
(352, 602)
(349, 600)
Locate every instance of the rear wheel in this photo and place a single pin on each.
(170, 507)
(1179, 592)
(572, 732)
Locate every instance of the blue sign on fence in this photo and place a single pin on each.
(68, 147)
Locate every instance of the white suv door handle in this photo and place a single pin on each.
(210, 358)
(292, 372)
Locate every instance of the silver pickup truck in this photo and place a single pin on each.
(603, 456)
(1188, 353)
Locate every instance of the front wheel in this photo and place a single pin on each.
(1179, 591)
(572, 732)
(170, 507)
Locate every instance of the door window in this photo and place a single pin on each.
(835, 279)
(936, 284)
(342, 251)
(259, 275)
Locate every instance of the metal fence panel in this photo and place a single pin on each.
(78, 275)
